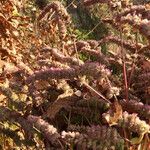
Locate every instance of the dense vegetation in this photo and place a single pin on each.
(75, 75)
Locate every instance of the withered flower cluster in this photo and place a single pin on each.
(65, 93)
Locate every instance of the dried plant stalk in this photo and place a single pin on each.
(57, 7)
(94, 137)
(60, 57)
(125, 44)
(136, 22)
(133, 106)
(90, 48)
(47, 130)
(60, 15)
(131, 122)
(89, 69)
(136, 9)
(62, 28)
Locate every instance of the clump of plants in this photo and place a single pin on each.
(61, 92)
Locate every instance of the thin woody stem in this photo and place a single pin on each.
(124, 68)
(96, 92)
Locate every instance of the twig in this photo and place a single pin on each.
(96, 92)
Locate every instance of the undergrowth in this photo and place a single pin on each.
(61, 91)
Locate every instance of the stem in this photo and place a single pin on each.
(124, 68)
(125, 81)
(96, 92)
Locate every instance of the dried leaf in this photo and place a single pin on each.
(117, 114)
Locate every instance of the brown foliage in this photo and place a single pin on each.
(67, 90)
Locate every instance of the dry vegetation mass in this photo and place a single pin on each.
(59, 91)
